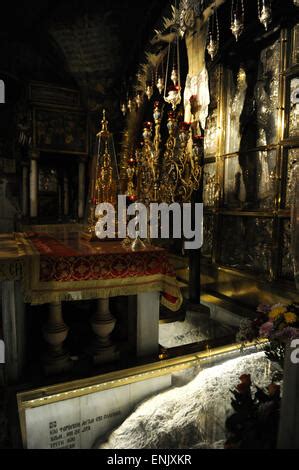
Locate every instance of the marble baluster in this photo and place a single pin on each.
(13, 321)
(103, 324)
(55, 331)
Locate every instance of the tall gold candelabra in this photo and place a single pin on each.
(103, 185)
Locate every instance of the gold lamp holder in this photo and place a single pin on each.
(103, 187)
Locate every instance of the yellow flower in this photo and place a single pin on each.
(277, 312)
(290, 317)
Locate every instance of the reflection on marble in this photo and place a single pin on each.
(295, 44)
(287, 257)
(250, 180)
(266, 173)
(294, 108)
(209, 185)
(211, 131)
(208, 236)
(236, 92)
(267, 94)
(234, 188)
(194, 329)
(211, 135)
(293, 159)
(192, 415)
(295, 226)
(246, 243)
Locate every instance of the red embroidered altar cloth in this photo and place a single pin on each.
(64, 267)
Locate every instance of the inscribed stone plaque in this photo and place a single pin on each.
(79, 422)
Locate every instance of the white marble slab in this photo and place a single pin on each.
(78, 423)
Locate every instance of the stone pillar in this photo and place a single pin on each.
(148, 316)
(34, 184)
(194, 260)
(13, 317)
(81, 189)
(103, 324)
(66, 203)
(289, 414)
(55, 332)
(25, 187)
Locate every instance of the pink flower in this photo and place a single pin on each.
(266, 329)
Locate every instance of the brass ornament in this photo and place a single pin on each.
(264, 13)
(237, 18)
(104, 186)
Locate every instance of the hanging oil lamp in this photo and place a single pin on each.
(149, 91)
(174, 76)
(172, 92)
(237, 18)
(123, 109)
(213, 36)
(264, 13)
(174, 96)
(138, 100)
(160, 85)
(130, 105)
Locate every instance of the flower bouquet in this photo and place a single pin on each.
(279, 324)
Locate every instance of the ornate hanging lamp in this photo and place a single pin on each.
(149, 91)
(172, 87)
(160, 79)
(130, 105)
(264, 12)
(160, 85)
(139, 99)
(237, 18)
(123, 108)
(213, 36)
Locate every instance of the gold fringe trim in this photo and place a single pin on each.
(35, 292)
